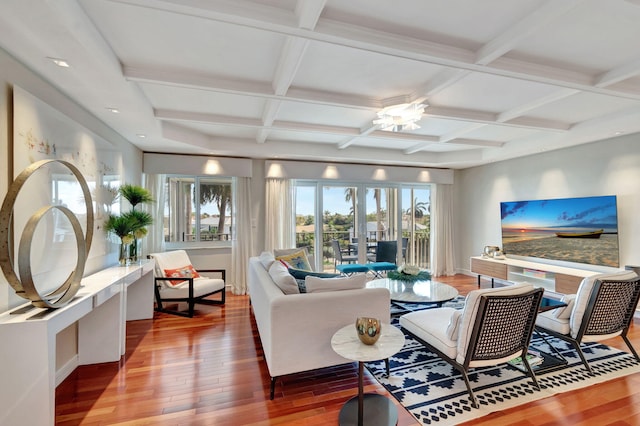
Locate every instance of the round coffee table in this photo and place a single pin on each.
(369, 409)
(424, 291)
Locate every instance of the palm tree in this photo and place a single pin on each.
(350, 196)
(219, 194)
(379, 225)
(418, 209)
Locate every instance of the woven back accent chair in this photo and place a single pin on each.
(177, 282)
(494, 327)
(603, 308)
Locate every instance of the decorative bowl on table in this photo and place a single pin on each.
(409, 273)
(368, 329)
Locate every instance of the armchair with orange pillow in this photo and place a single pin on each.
(178, 282)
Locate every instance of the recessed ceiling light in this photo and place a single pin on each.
(114, 110)
(141, 136)
(59, 62)
(618, 133)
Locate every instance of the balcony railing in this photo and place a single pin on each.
(417, 249)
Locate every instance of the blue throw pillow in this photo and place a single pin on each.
(301, 274)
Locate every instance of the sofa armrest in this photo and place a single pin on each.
(301, 326)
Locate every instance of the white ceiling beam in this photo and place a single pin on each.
(492, 119)
(290, 59)
(353, 134)
(308, 12)
(536, 103)
(296, 150)
(531, 23)
(619, 74)
(363, 132)
(269, 114)
(441, 81)
(459, 132)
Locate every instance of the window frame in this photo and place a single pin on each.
(197, 182)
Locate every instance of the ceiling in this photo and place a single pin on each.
(303, 79)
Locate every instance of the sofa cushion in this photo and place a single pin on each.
(297, 259)
(283, 279)
(301, 274)
(317, 284)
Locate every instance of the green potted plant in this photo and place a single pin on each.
(130, 226)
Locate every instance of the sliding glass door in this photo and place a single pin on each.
(360, 215)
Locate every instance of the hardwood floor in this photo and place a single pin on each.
(209, 370)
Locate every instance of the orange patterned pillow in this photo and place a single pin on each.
(183, 272)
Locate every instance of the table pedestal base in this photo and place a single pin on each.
(378, 410)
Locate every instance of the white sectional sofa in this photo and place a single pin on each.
(296, 329)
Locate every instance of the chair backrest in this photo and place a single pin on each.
(335, 244)
(170, 260)
(604, 305)
(387, 251)
(497, 323)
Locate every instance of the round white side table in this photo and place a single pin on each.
(367, 409)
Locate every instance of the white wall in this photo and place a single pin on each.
(609, 167)
(13, 73)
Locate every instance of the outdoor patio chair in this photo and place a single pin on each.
(384, 259)
(178, 282)
(494, 327)
(603, 308)
(341, 256)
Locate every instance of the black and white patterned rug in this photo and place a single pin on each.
(434, 392)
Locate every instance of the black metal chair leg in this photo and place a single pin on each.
(273, 388)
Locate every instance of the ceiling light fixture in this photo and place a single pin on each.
(59, 62)
(396, 118)
(114, 110)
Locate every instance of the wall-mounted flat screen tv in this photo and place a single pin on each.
(580, 230)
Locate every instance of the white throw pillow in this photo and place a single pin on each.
(317, 284)
(283, 279)
(454, 325)
(565, 311)
(267, 258)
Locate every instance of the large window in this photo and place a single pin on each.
(359, 215)
(198, 209)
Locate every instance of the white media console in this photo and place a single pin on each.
(91, 329)
(558, 279)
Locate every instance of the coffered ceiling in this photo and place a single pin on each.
(304, 79)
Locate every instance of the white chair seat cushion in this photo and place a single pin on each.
(431, 325)
(201, 286)
(551, 322)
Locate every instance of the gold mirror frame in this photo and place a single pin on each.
(26, 289)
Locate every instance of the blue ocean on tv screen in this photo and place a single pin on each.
(579, 230)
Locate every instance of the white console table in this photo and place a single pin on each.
(554, 278)
(30, 339)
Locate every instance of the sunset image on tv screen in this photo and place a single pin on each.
(580, 230)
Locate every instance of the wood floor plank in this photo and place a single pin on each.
(210, 370)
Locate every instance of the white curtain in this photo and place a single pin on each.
(242, 244)
(155, 238)
(442, 260)
(280, 215)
